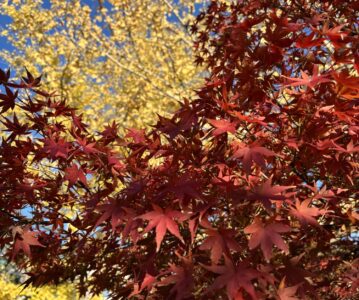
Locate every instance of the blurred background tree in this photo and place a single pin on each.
(123, 60)
(11, 288)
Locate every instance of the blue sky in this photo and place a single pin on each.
(3, 41)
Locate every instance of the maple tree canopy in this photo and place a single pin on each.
(247, 192)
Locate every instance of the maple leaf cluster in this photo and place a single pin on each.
(249, 191)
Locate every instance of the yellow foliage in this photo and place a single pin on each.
(12, 291)
(123, 60)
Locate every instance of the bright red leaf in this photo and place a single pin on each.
(267, 235)
(163, 220)
(251, 153)
(219, 242)
(24, 238)
(305, 214)
(56, 147)
(222, 126)
(287, 293)
(267, 192)
(235, 278)
(306, 80)
(74, 173)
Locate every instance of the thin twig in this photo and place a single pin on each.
(179, 18)
(114, 60)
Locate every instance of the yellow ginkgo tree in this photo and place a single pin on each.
(10, 288)
(122, 60)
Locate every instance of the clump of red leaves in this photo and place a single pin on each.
(247, 192)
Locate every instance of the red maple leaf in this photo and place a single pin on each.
(86, 147)
(234, 278)
(163, 220)
(15, 127)
(28, 187)
(24, 239)
(308, 41)
(304, 213)
(138, 136)
(311, 82)
(182, 278)
(251, 153)
(110, 132)
(266, 236)
(59, 108)
(4, 76)
(118, 215)
(222, 126)
(337, 37)
(167, 126)
(293, 272)
(33, 105)
(325, 144)
(267, 192)
(183, 186)
(74, 174)
(56, 147)
(29, 81)
(249, 119)
(116, 165)
(180, 122)
(345, 81)
(146, 283)
(350, 148)
(287, 293)
(219, 242)
(8, 100)
(292, 142)
(77, 121)
(224, 105)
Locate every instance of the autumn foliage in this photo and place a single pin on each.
(247, 192)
